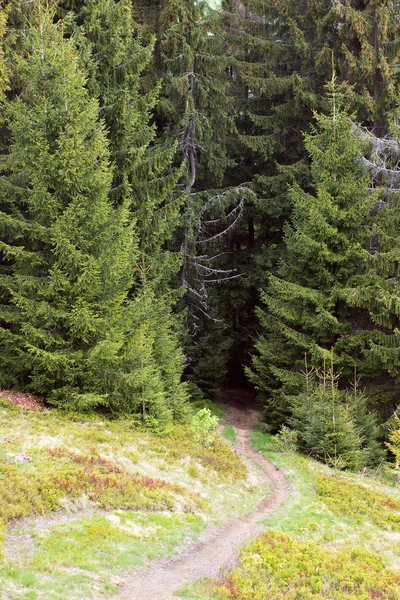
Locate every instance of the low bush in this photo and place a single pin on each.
(276, 566)
(353, 500)
(204, 426)
(25, 490)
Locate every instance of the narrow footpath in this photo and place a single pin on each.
(217, 547)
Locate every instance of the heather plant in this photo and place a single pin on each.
(359, 502)
(277, 566)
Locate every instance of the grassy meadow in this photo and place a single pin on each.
(85, 500)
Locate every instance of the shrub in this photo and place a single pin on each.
(205, 427)
(394, 447)
(277, 566)
(334, 425)
(357, 501)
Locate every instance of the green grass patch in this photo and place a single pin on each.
(229, 433)
(117, 540)
(97, 553)
(334, 537)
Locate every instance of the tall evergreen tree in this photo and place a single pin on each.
(367, 56)
(68, 252)
(196, 108)
(282, 55)
(308, 310)
(67, 323)
(143, 169)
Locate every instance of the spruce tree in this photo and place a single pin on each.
(367, 53)
(377, 289)
(143, 170)
(68, 253)
(282, 56)
(3, 70)
(308, 311)
(196, 108)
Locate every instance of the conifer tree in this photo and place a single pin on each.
(282, 55)
(3, 70)
(367, 53)
(196, 108)
(308, 310)
(143, 170)
(68, 253)
(377, 289)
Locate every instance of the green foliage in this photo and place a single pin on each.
(309, 306)
(276, 565)
(335, 425)
(70, 320)
(3, 70)
(286, 439)
(360, 502)
(394, 447)
(66, 252)
(205, 425)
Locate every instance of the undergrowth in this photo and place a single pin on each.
(28, 489)
(360, 502)
(277, 566)
(81, 469)
(44, 458)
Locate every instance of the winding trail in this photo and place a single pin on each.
(217, 547)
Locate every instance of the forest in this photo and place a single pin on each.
(195, 195)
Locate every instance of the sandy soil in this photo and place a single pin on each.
(218, 547)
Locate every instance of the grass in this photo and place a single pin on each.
(88, 499)
(96, 550)
(336, 537)
(229, 433)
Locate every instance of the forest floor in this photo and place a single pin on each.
(217, 548)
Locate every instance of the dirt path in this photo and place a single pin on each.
(217, 547)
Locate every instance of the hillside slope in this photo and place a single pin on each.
(86, 501)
